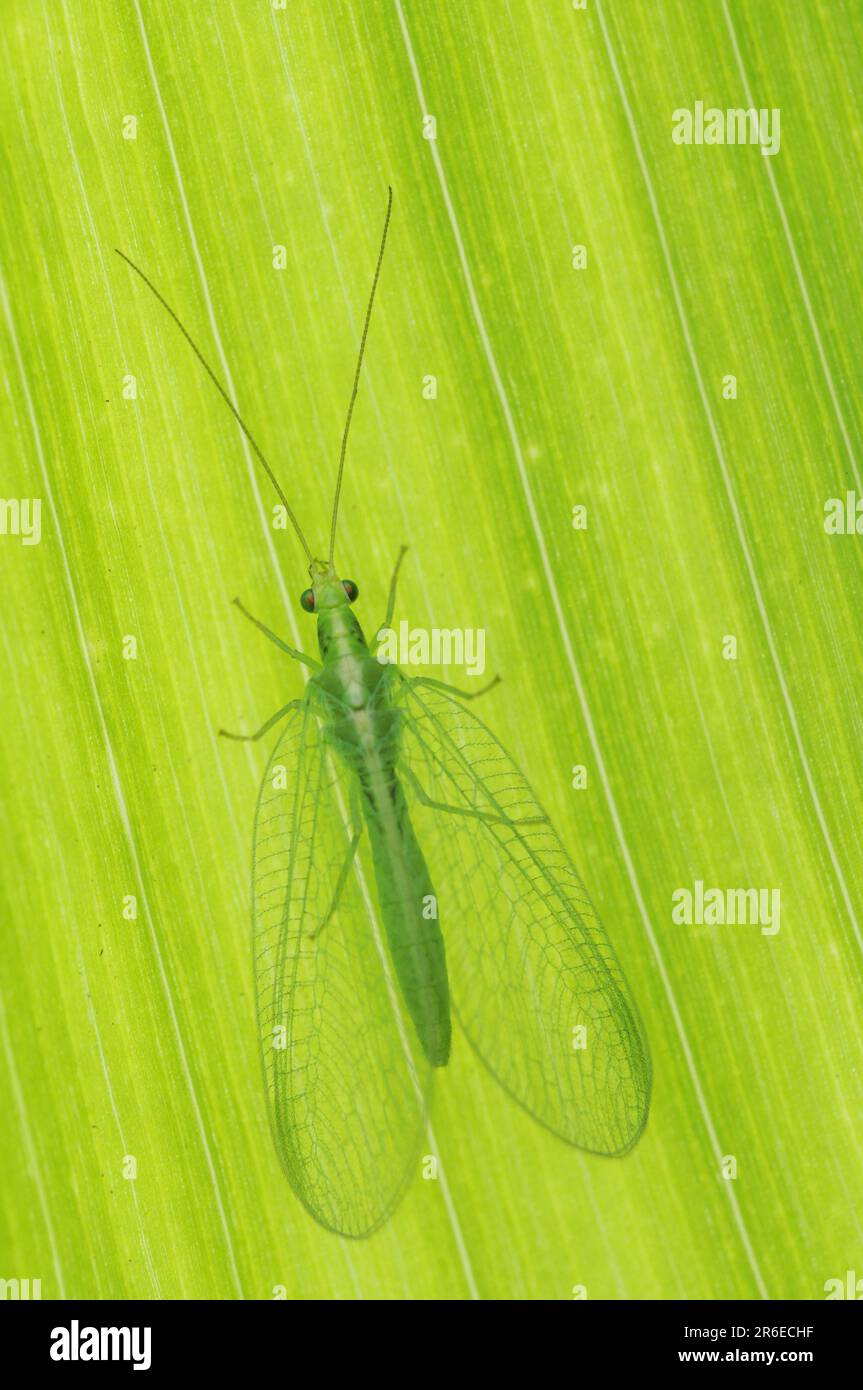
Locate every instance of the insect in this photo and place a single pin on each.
(404, 872)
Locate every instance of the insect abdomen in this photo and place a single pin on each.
(409, 909)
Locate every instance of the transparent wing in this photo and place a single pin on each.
(535, 983)
(346, 1081)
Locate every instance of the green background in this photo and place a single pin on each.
(259, 127)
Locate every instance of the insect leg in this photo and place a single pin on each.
(391, 601)
(346, 867)
(265, 728)
(291, 651)
(487, 817)
(452, 689)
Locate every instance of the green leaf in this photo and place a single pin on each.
(137, 1157)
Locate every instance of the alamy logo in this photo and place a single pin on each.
(20, 1288)
(718, 907)
(849, 1287)
(21, 516)
(736, 126)
(436, 646)
(843, 516)
(76, 1343)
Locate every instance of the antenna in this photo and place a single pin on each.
(357, 375)
(225, 397)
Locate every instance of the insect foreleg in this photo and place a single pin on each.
(487, 817)
(391, 600)
(452, 689)
(283, 646)
(265, 728)
(346, 866)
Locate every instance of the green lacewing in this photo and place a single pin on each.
(404, 873)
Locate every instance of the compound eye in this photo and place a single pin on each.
(307, 600)
(350, 589)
